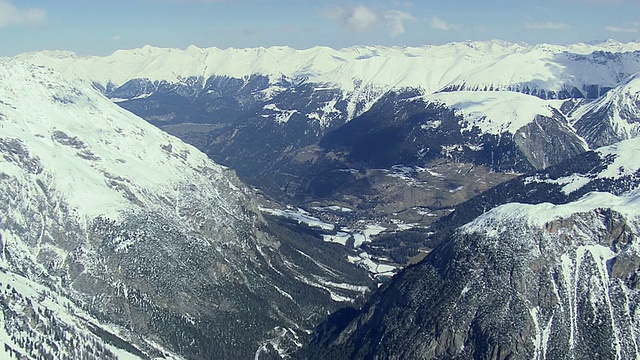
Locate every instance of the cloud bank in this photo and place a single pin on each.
(621, 29)
(362, 18)
(11, 15)
(440, 24)
(546, 26)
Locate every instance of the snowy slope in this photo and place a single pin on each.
(38, 323)
(42, 119)
(494, 112)
(82, 147)
(538, 215)
(502, 129)
(588, 251)
(620, 161)
(469, 65)
(613, 117)
(75, 168)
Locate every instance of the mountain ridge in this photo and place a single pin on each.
(527, 277)
(366, 64)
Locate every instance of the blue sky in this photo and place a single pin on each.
(100, 27)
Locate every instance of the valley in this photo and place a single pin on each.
(396, 145)
(206, 201)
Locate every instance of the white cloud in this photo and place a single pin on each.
(115, 38)
(395, 21)
(11, 15)
(362, 18)
(359, 18)
(440, 24)
(546, 26)
(620, 29)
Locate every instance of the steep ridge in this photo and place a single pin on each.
(511, 285)
(613, 169)
(502, 130)
(539, 129)
(145, 232)
(519, 281)
(613, 117)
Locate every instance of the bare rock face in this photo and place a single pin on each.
(548, 141)
(507, 286)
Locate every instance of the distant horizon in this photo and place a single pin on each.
(100, 28)
(590, 43)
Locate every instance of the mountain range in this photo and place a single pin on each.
(497, 65)
(284, 102)
(512, 164)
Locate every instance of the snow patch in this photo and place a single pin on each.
(281, 116)
(340, 238)
(301, 216)
(429, 125)
(334, 208)
(493, 112)
(375, 268)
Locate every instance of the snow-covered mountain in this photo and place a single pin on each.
(101, 209)
(327, 87)
(324, 125)
(278, 98)
(537, 281)
(146, 232)
(495, 65)
(613, 117)
(308, 92)
(85, 147)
